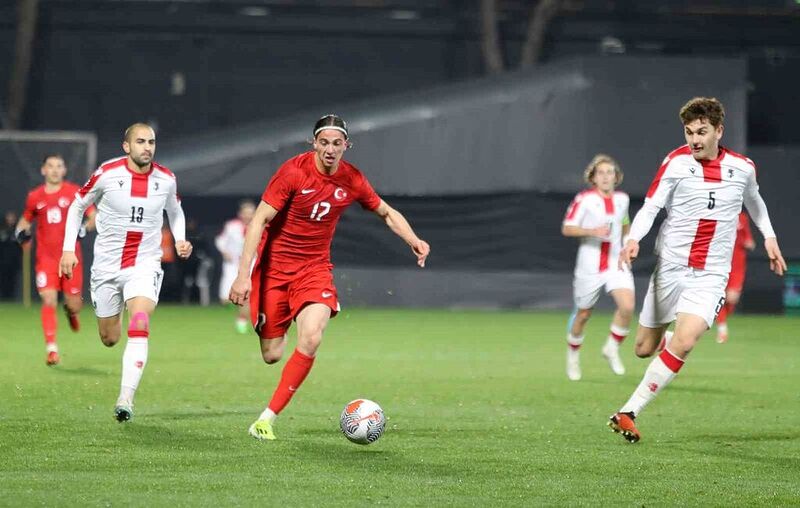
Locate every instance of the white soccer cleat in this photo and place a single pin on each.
(611, 354)
(573, 364)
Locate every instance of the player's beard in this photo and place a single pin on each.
(139, 161)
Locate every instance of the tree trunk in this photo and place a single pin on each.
(490, 38)
(23, 56)
(541, 15)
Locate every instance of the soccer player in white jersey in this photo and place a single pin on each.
(599, 217)
(131, 194)
(229, 243)
(702, 185)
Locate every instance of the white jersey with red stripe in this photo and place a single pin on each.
(703, 200)
(130, 214)
(230, 241)
(590, 210)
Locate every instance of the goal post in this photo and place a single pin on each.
(21, 155)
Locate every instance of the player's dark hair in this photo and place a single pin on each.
(246, 202)
(330, 121)
(703, 108)
(55, 155)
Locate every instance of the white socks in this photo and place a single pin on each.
(133, 361)
(659, 373)
(267, 415)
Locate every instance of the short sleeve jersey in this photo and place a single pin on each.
(590, 210)
(130, 214)
(49, 210)
(309, 206)
(703, 200)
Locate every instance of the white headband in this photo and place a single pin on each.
(334, 127)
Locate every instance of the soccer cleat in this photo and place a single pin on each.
(573, 364)
(53, 358)
(74, 323)
(262, 430)
(123, 412)
(722, 336)
(622, 423)
(611, 354)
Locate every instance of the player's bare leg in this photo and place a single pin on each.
(134, 358)
(619, 329)
(50, 324)
(311, 323)
(109, 329)
(575, 341)
(661, 371)
(731, 300)
(72, 308)
(272, 349)
(648, 340)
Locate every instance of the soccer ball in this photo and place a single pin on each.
(362, 421)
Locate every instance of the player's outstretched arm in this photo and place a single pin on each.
(72, 225)
(577, 231)
(776, 262)
(400, 226)
(240, 289)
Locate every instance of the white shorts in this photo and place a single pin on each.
(110, 291)
(675, 288)
(586, 289)
(229, 273)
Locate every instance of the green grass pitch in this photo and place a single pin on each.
(480, 413)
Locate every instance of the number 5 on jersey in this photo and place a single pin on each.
(320, 210)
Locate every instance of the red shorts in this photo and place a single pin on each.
(47, 276)
(738, 269)
(282, 297)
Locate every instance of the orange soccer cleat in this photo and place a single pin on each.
(53, 358)
(74, 323)
(622, 423)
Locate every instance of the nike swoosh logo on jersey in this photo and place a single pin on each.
(307, 191)
(327, 294)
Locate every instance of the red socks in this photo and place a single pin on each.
(722, 317)
(49, 324)
(294, 372)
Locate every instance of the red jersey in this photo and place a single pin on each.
(50, 212)
(743, 233)
(309, 205)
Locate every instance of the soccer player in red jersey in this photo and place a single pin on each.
(703, 186)
(744, 243)
(47, 204)
(292, 278)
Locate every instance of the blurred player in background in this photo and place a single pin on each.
(744, 243)
(131, 193)
(47, 204)
(292, 279)
(229, 243)
(599, 217)
(702, 185)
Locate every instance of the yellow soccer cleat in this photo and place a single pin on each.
(262, 430)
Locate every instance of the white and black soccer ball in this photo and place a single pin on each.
(362, 421)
